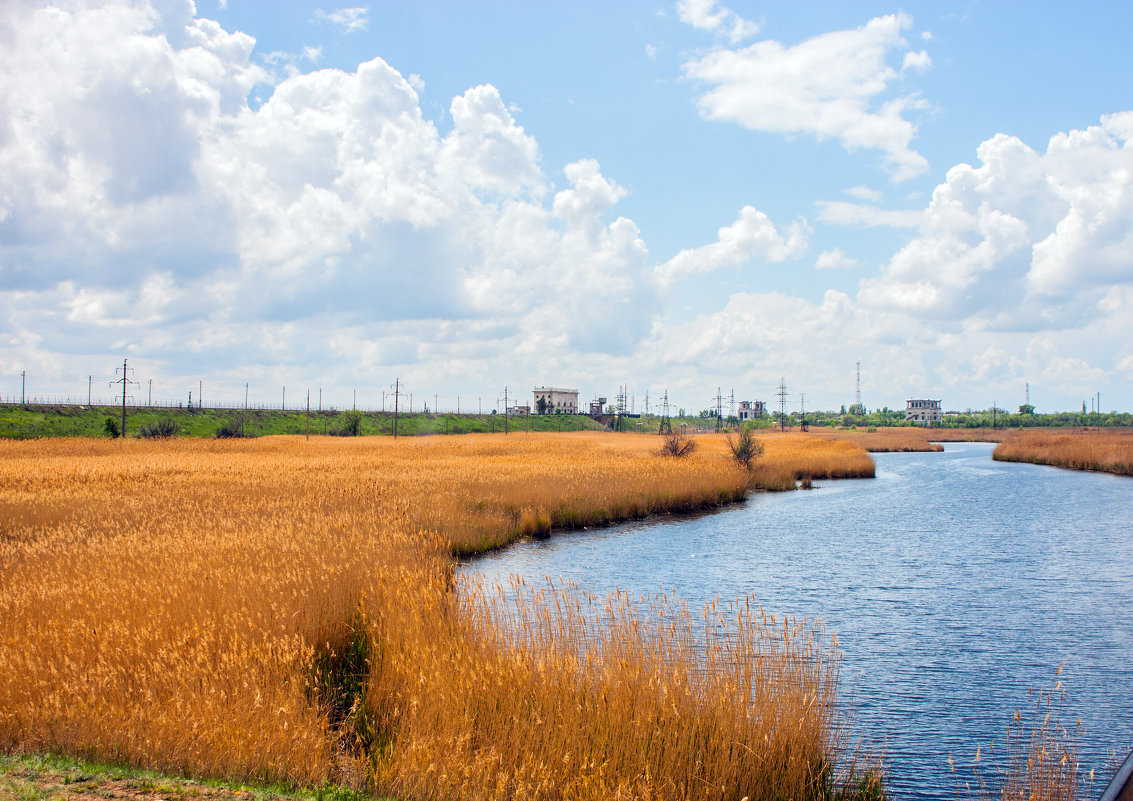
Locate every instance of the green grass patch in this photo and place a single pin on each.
(30, 421)
(46, 777)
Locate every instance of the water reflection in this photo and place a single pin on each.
(954, 583)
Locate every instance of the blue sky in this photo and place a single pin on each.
(678, 196)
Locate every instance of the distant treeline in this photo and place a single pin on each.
(983, 418)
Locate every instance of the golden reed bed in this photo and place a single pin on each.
(902, 439)
(1106, 451)
(287, 610)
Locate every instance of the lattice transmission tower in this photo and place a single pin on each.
(782, 395)
(666, 426)
(858, 408)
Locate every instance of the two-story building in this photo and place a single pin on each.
(751, 410)
(555, 400)
(923, 411)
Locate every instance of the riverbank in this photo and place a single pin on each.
(283, 610)
(908, 439)
(1104, 451)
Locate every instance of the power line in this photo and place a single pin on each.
(125, 382)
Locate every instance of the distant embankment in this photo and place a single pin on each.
(1105, 451)
(31, 421)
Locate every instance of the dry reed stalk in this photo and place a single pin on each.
(1106, 451)
(547, 693)
(169, 603)
(1041, 754)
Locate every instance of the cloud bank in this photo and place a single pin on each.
(334, 235)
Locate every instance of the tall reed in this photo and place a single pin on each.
(286, 610)
(1106, 451)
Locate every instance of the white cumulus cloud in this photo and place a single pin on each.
(832, 85)
(348, 20)
(1026, 240)
(751, 236)
(835, 259)
(708, 15)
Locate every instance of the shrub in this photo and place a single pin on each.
(111, 427)
(162, 429)
(232, 429)
(678, 446)
(351, 424)
(745, 448)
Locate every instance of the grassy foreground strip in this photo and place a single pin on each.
(47, 777)
(1104, 451)
(287, 612)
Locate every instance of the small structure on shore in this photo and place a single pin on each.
(751, 410)
(923, 410)
(555, 400)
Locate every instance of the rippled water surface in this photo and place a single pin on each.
(954, 584)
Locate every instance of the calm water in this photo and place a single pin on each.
(954, 584)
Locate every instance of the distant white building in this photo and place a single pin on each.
(555, 400)
(751, 410)
(923, 410)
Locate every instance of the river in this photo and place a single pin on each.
(954, 583)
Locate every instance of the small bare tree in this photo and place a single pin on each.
(745, 448)
(678, 446)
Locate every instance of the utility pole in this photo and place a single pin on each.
(396, 395)
(308, 413)
(505, 411)
(245, 396)
(200, 393)
(125, 382)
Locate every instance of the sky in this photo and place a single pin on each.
(245, 196)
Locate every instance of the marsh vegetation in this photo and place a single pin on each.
(287, 611)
